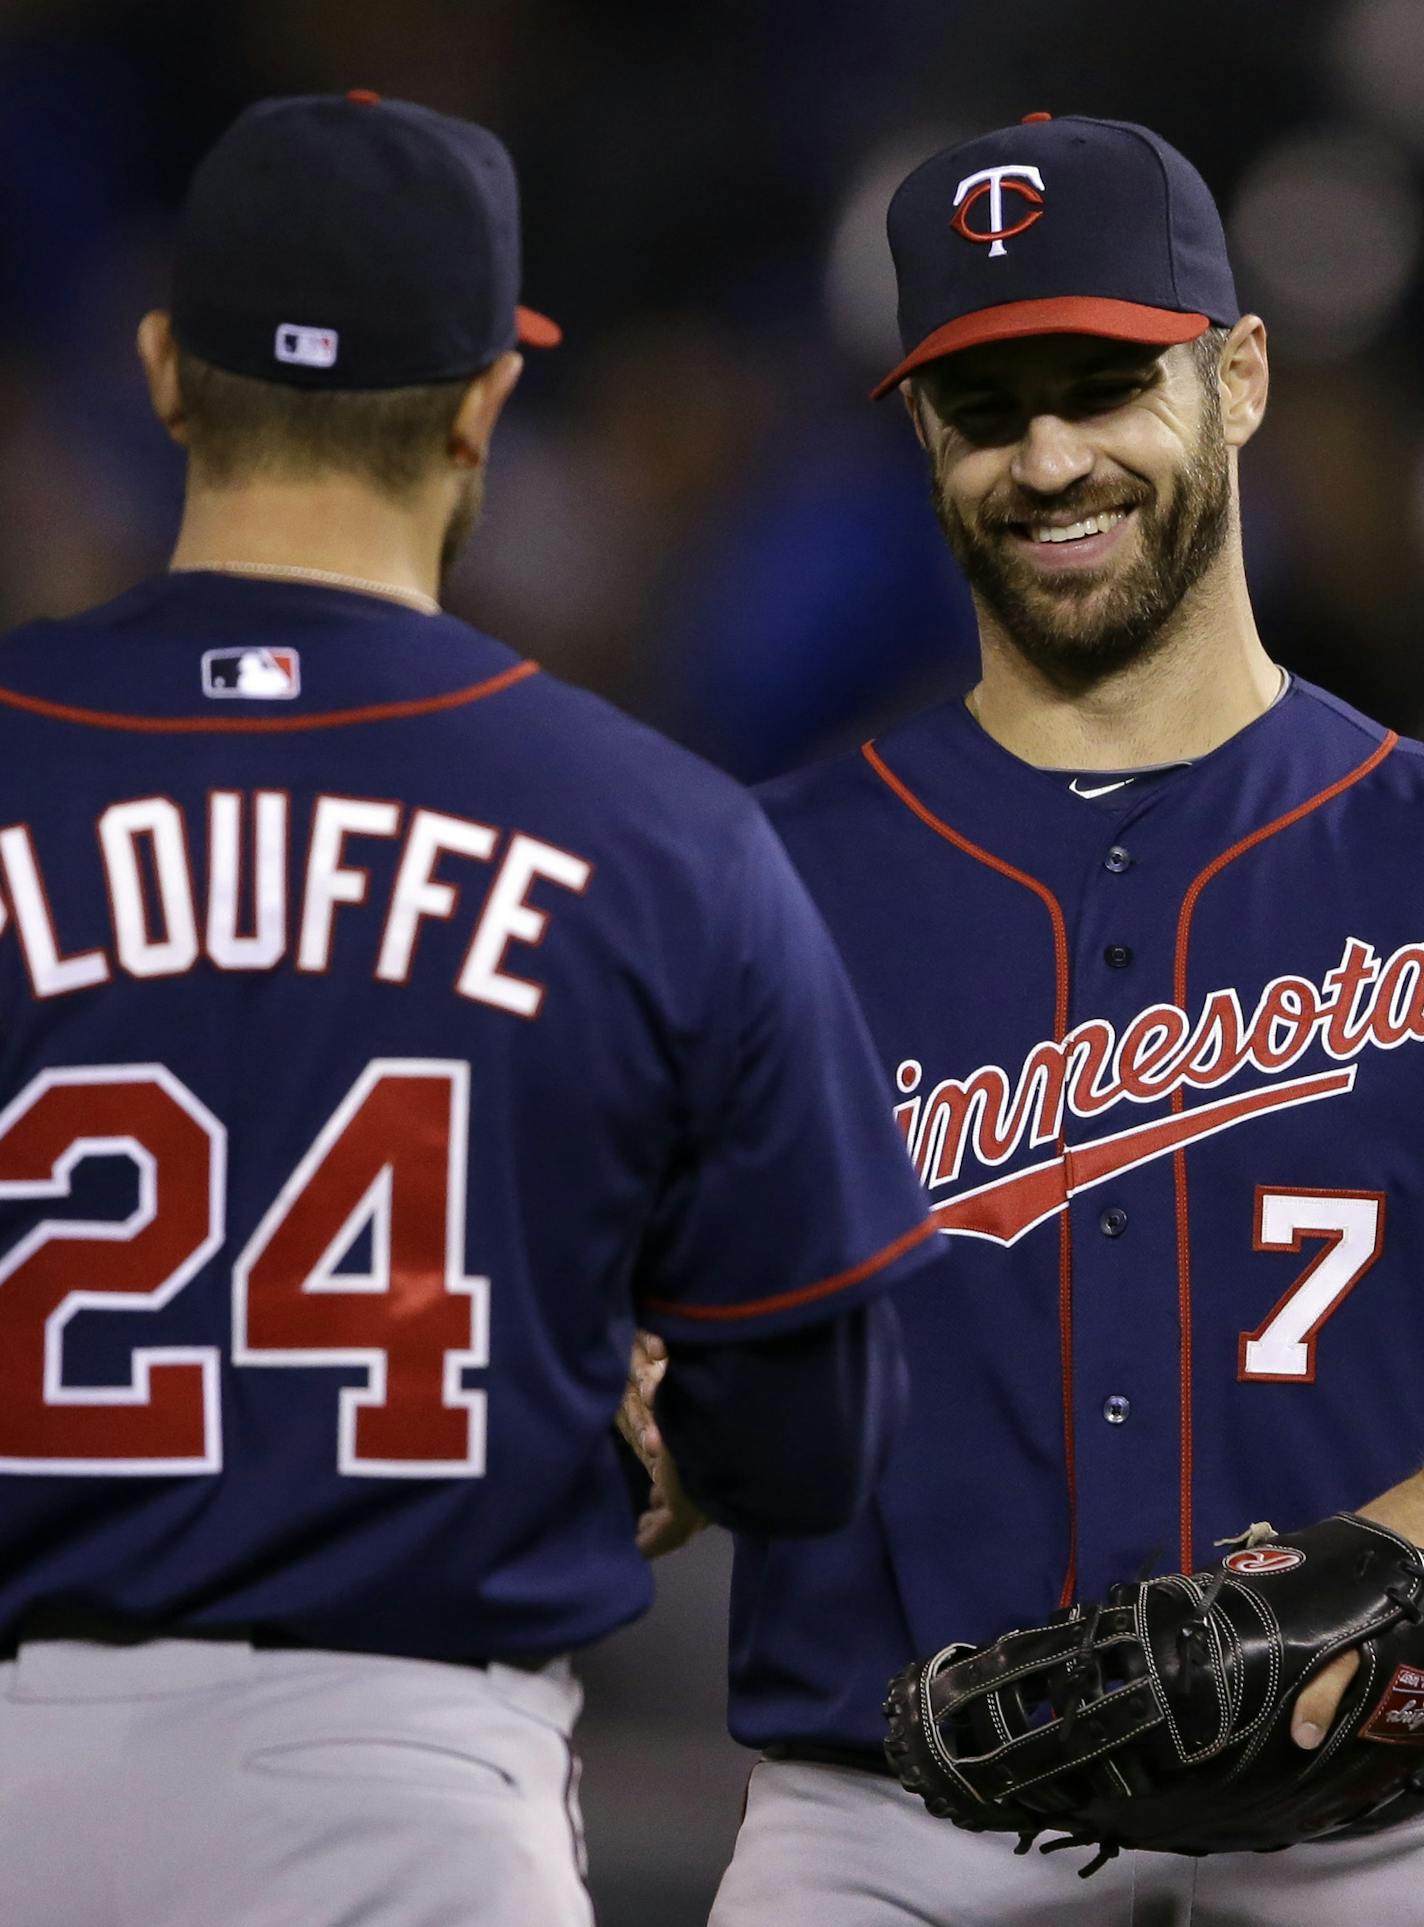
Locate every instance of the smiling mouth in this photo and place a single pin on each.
(1098, 524)
(1068, 544)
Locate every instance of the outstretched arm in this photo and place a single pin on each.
(785, 1436)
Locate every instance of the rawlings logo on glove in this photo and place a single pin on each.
(1160, 1717)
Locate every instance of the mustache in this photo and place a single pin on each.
(1014, 510)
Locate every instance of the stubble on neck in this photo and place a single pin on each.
(1156, 685)
(1205, 678)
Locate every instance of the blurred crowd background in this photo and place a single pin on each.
(693, 508)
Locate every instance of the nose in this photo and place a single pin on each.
(1051, 455)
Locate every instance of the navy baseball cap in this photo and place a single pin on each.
(352, 242)
(1066, 226)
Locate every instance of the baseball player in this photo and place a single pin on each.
(384, 1021)
(1138, 930)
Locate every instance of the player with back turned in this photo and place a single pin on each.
(384, 1022)
(1139, 934)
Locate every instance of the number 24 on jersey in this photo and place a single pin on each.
(389, 1162)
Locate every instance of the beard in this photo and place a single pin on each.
(464, 520)
(1078, 628)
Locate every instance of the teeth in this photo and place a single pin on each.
(1094, 525)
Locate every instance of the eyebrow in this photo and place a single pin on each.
(1123, 354)
(1123, 358)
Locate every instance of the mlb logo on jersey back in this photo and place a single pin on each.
(309, 347)
(267, 675)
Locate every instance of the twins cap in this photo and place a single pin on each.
(352, 242)
(1066, 226)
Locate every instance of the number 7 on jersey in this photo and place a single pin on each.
(1352, 1225)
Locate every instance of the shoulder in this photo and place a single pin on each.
(132, 607)
(676, 840)
(630, 771)
(1369, 747)
(832, 794)
(1332, 715)
(851, 795)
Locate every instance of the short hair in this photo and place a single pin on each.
(241, 428)
(1206, 353)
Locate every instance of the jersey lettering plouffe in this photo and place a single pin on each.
(387, 1026)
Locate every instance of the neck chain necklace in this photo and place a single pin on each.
(331, 578)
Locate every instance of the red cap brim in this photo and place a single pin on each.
(536, 330)
(1066, 314)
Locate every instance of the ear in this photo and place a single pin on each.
(479, 410)
(909, 394)
(1245, 377)
(158, 352)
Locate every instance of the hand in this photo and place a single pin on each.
(1401, 1509)
(1315, 1709)
(635, 1420)
(671, 1518)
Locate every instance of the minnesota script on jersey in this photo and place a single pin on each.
(1160, 1067)
(382, 1022)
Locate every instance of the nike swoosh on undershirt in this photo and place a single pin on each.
(1120, 784)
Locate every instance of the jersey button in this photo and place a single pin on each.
(1113, 1222)
(1117, 1409)
(1117, 956)
(1117, 860)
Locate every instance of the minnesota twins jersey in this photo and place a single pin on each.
(1159, 1060)
(384, 1024)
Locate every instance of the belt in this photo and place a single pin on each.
(864, 1759)
(98, 1626)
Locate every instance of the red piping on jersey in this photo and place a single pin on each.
(1179, 1158)
(1060, 1031)
(786, 1300)
(267, 725)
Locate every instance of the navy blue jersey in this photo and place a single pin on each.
(385, 1026)
(1159, 1059)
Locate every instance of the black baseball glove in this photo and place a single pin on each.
(1161, 1717)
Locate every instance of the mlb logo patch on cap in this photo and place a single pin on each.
(266, 675)
(308, 347)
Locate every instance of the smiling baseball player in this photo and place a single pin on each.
(383, 1022)
(1139, 932)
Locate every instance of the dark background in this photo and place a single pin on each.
(693, 509)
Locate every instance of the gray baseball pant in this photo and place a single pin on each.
(829, 1846)
(194, 1784)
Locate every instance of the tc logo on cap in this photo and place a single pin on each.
(312, 347)
(993, 181)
